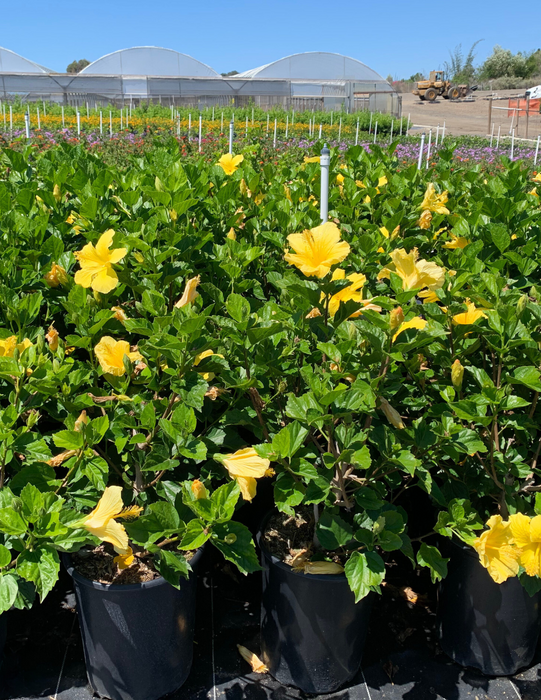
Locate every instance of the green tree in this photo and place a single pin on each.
(77, 66)
(461, 69)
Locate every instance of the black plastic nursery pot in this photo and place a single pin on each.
(483, 624)
(3, 635)
(312, 632)
(137, 638)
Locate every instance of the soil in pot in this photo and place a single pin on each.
(312, 632)
(137, 629)
(490, 626)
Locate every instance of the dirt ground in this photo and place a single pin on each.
(465, 117)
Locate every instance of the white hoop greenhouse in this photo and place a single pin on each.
(312, 80)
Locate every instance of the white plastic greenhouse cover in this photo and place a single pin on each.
(11, 62)
(149, 60)
(315, 65)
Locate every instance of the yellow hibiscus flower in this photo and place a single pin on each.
(317, 250)
(246, 466)
(230, 163)
(435, 202)
(96, 264)
(415, 274)
(456, 242)
(495, 550)
(111, 353)
(416, 322)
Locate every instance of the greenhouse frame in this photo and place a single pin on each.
(312, 80)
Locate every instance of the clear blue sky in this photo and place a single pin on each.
(394, 37)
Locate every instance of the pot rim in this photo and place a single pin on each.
(89, 583)
(328, 578)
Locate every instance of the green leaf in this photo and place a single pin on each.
(68, 439)
(528, 376)
(172, 566)
(238, 307)
(500, 237)
(194, 536)
(368, 499)
(11, 522)
(41, 567)
(32, 499)
(235, 542)
(288, 441)
(5, 556)
(430, 557)
(288, 493)
(333, 532)
(364, 572)
(8, 592)
(223, 500)
(532, 584)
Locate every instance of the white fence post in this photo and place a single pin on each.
(324, 161)
(421, 149)
(231, 127)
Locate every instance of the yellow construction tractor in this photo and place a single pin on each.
(438, 86)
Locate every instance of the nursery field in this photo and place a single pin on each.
(202, 383)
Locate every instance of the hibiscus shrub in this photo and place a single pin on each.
(178, 332)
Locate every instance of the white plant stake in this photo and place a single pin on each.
(512, 144)
(62, 116)
(340, 129)
(39, 122)
(357, 133)
(392, 125)
(10, 118)
(231, 127)
(287, 125)
(27, 124)
(324, 161)
(246, 130)
(375, 132)
(443, 133)
(200, 131)
(421, 149)
(429, 148)
(121, 119)
(222, 124)
(498, 139)
(268, 123)
(437, 135)
(78, 122)
(320, 127)
(189, 127)
(536, 150)
(101, 123)
(274, 138)
(110, 123)
(492, 135)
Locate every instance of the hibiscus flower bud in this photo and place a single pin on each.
(198, 489)
(425, 220)
(56, 276)
(521, 304)
(457, 374)
(396, 317)
(391, 413)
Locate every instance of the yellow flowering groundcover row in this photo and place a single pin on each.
(171, 334)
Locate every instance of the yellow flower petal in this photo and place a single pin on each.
(100, 522)
(416, 322)
(230, 163)
(190, 293)
(469, 317)
(96, 262)
(125, 560)
(495, 550)
(415, 274)
(111, 353)
(457, 242)
(248, 487)
(246, 463)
